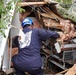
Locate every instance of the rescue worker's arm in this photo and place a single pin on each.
(45, 34)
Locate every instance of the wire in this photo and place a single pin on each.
(13, 26)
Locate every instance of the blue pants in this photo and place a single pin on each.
(21, 70)
(31, 72)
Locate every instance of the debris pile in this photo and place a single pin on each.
(45, 15)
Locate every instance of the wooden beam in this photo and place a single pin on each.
(47, 15)
(51, 13)
(62, 72)
(52, 24)
(10, 70)
(31, 3)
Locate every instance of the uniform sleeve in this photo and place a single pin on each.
(45, 34)
(15, 42)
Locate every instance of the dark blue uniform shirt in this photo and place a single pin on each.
(29, 54)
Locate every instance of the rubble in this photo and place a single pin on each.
(71, 71)
(44, 17)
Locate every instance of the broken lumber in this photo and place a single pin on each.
(46, 15)
(31, 3)
(62, 72)
(51, 13)
(71, 71)
(51, 23)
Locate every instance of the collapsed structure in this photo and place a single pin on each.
(60, 52)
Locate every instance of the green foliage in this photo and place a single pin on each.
(3, 11)
(72, 17)
(18, 8)
(65, 3)
(2, 33)
(5, 8)
(58, 0)
(64, 13)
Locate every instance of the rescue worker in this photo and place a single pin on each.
(28, 58)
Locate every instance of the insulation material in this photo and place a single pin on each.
(72, 71)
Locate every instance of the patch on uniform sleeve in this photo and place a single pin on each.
(27, 40)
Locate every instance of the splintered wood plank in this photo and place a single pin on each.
(61, 73)
(10, 70)
(71, 71)
(31, 3)
(51, 13)
(47, 51)
(51, 23)
(47, 15)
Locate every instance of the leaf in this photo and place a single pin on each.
(18, 8)
(4, 10)
(2, 32)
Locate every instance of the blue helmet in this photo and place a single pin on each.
(27, 21)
